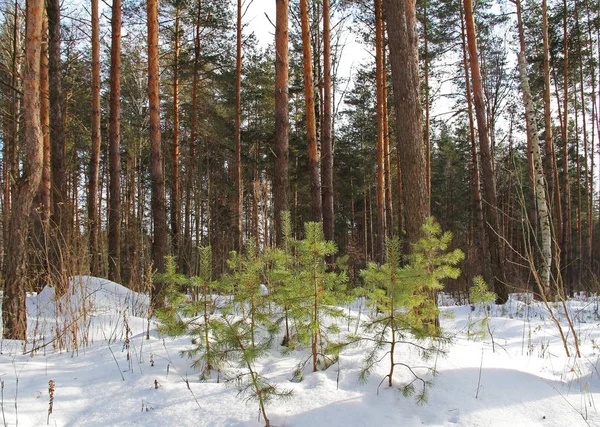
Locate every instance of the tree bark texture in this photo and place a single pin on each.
(489, 182)
(327, 139)
(60, 200)
(282, 125)
(114, 209)
(239, 189)
(94, 169)
(14, 315)
(158, 204)
(311, 124)
(540, 186)
(176, 183)
(400, 17)
(379, 71)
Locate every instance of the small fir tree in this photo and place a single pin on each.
(200, 312)
(481, 298)
(172, 298)
(318, 290)
(403, 308)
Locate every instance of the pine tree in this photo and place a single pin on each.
(403, 306)
(318, 290)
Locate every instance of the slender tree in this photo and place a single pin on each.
(94, 168)
(379, 71)
(14, 315)
(158, 205)
(311, 124)
(176, 184)
(239, 189)
(60, 211)
(489, 181)
(540, 185)
(114, 209)
(280, 176)
(327, 140)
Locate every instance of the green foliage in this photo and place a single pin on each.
(404, 302)
(174, 283)
(481, 298)
(200, 312)
(315, 292)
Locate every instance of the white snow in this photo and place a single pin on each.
(523, 378)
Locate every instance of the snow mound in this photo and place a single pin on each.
(94, 294)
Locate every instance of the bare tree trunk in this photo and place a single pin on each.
(540, 187)
(114, 209)
(158, 204)
(553, 183)
(389, 209)
(327, 130)
(379, 71)
(191, 166)
(280, 177)
(60, 198)
(239, 189)
(566, 240)
(427, 100)
(404, 58)
(14, 315)
(476, 179)
(489, 182)
(176, 184)
(93, 221)
(311, 125)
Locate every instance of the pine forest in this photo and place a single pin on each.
(258, 169)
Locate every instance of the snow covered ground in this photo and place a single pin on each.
(113, 376)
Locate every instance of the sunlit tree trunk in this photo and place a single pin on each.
(280, 176)
(114, 209)
(94, 170)
(379, 71)
(404, 58)
(540, 187)
(327, 140)
(60, 200)
(176, 184)
(553, 183)
(566, 228)
(239, 189)
(158, 205)
(14, 314)
(311, 124)
(489, 182)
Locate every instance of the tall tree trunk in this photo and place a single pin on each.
(239, 189)
(553, 183)
(566, 240)
(60, 198)
(158, 205)
(14, 314)
(404, 59)
(427, 100)
(176, 184)
(114, 209)
(389, 212)
(489, 182)
(540, 187)
(327, 130)
(479, 234)
(94, 170)
(282, 122)
(311, 124)
(379, 71)
(190, 175)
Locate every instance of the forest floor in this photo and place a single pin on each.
(113, 376)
